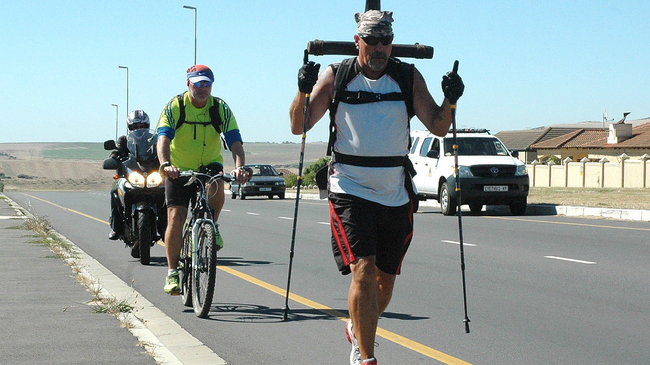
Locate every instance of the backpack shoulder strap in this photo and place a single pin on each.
(215, 116)
(404, 73)
(181, 105)
(342, 76)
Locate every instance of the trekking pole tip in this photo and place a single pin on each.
(466, 321)
(285, 312)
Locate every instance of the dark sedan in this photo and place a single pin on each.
(266, 181)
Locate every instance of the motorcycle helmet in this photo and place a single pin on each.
(137, 119)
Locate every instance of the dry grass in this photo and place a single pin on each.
(592, 197)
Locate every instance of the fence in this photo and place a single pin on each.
(624, 173)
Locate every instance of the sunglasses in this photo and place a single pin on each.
(202, 84)
(374, 40)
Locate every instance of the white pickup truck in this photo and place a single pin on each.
(489, 174)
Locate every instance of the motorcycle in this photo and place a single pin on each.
(140, 192)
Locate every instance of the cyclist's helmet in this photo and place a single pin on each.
(137, 119)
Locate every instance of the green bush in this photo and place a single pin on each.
(308, 174)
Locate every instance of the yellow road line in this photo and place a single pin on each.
(390, 336)
(569, 223)
(68, 209)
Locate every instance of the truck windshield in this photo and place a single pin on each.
(470, 146)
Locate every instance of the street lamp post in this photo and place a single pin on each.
(127, 89)
(117, 108)
(193, 8)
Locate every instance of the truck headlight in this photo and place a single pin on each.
(521, 171)
(464, 171)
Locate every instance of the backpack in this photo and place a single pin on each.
(215, 117)
(403, 74)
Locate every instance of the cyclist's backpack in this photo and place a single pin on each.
(215, 117)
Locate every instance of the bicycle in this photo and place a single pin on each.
(198, 261)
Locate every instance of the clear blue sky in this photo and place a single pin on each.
(525, 63)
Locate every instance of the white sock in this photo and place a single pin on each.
(172, 271)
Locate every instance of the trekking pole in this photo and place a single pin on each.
(458, 201)
(285, 310)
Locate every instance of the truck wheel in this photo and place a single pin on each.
(518, 207)
(448, 207)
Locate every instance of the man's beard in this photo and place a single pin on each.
(378, 61)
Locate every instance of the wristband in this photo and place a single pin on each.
(163, 165)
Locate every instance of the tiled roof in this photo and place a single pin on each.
(521, 140)
(595, 138)
(559, 141)
(640, 139)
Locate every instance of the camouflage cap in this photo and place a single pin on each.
(374, 22)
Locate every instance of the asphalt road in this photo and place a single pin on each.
(541, 289)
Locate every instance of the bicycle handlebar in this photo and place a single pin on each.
(194, 174)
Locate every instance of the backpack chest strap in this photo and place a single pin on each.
(364, 97)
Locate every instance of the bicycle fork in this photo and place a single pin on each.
(195, 237)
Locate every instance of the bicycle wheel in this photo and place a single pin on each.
(185, 268)
(204, 274)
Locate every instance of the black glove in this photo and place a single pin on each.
(307, 76)
(452, 87)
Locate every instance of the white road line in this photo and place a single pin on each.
(458, 243)
(570, 260)
(325, 223)
(287, 218)
(251, 213)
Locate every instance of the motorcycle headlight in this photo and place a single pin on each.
(136, 179)
(154, 180)
(521, 171)
(464, 171)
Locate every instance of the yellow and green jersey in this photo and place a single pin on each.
(196, 142)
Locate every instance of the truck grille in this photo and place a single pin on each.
(493, 170)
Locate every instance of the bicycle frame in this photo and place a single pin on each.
(199, 274)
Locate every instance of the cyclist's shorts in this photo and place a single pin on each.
(362, 228)
(176, 193)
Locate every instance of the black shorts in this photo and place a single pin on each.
(363, 228)
(176, 193)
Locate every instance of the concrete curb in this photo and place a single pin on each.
(539, 209)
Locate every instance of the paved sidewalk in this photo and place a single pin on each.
(45, 311)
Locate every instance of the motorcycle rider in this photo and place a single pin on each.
(137, 119)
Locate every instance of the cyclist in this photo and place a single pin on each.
(189, 137)
(137, 119)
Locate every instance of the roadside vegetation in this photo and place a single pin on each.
(63, 249)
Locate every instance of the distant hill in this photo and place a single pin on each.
(79, 165)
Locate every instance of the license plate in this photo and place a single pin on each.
(495, 188)
(265, 189)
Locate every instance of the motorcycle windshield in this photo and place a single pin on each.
(141, 144)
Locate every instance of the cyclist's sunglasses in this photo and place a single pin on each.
(372, 40)
(202, 83)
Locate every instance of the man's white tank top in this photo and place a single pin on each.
(372, 129)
